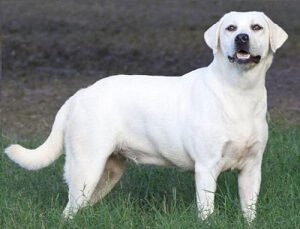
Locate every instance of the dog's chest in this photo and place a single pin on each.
(235, 154)
(243, 142)
(244, 131)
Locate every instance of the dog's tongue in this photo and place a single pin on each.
(243, 55)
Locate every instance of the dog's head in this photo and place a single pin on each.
(245, 37)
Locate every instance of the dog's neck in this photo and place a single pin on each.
(240, 77)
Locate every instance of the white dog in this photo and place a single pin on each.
(209, 120)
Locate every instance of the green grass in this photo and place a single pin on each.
(152, 197)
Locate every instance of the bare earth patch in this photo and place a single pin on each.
(28, 107)
(50, 51)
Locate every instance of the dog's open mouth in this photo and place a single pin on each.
(244, 57)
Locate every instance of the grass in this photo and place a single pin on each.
(152, 197)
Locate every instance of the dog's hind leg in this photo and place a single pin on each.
(85, 164)
(114, 169)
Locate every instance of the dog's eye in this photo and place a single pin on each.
(231, 28)
(256, 27)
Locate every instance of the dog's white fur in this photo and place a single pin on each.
(209, 120)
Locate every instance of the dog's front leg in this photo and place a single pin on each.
(249, 184)
(205, 189)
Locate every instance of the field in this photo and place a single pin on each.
(51, 50)
(151, 197)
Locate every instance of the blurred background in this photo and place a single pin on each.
(50, 49)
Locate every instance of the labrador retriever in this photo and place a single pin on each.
(209, 120)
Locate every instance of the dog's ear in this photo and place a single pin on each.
(277, 35)
(212, 36)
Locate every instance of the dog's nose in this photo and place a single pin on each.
(242, 38)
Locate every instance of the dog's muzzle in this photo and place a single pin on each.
(242, 54)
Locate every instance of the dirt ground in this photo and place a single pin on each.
(51, 50)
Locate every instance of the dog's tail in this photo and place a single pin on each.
(48, 152)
